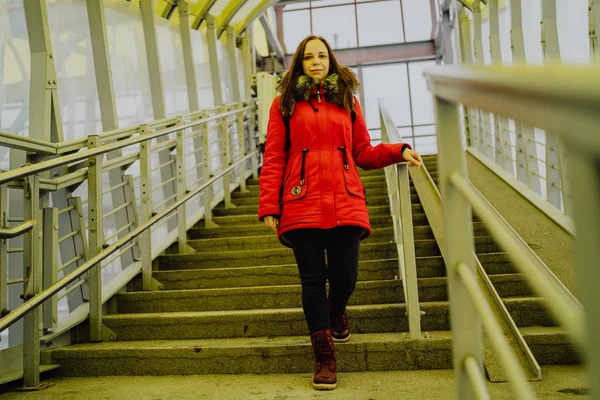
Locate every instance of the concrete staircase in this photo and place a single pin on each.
(235, 306)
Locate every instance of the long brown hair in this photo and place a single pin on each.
(347, 82)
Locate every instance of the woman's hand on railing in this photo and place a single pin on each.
(412, 157)
(271, 222)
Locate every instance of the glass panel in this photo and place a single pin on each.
(244, 11)
(379, 23)
(203, 73)
(324, 3)
(388, 83)
(426, 145)
(129, 64)
(296, 6)
(342, 33)
(15, 64)
(532, 15)
(422, 100)
(172, 68)
(417, 20)
(572, 22)
(75, 75)
(296, 26)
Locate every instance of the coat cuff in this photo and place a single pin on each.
(404, 147)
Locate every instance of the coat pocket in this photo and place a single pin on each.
(296, 185)
(352, 179)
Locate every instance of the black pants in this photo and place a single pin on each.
(342, 247)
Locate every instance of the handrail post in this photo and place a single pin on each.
(50, 250)
(408, 244)
(241, 130)
(181, 186)
(586, 185)
(145, 239)
(32, 282)
(96, 235)
(208, 173)
(252, 139)
(3, 250)
(458, 227)
(226, 157)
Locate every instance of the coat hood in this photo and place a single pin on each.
(306, 87)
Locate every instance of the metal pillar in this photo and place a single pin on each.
(472, 123)
(233, 68)
(527, 165)
(503, 153)
(213, 56)
(594, 28)
(188, 56)
(458, 225)
(96, 232)
(485, 142)
(108, 113)
(556, 182)
(158, 99)
(32, 282)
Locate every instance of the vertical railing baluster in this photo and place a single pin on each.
(96, 235)
(145, 239)
(180, 185)
(50, 250)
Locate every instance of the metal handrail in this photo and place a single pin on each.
(399, 191)
(36, 301)
(527, 93)
(84, 155)
(7, 233)
(563, 100)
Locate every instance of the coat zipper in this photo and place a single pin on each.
(319, 93)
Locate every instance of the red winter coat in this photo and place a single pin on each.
(325, 152)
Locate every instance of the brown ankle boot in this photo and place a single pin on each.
(325, 377)
(338, 319)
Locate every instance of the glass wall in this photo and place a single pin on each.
(355, 23)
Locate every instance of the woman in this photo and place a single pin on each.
(310, 191)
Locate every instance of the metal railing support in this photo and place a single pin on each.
(226, 155)
(145, 239)
(411, 287)
(181, 186)
(96, 243)
(50, 262)
(32, 283)
(458, 231)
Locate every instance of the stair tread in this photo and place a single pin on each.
(150, 348)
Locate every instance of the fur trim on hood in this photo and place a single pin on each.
(305, 86)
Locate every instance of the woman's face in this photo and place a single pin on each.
(315, 62)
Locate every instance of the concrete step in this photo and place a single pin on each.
(263, 275)
(247, 298)
(289, 296)
(286, 354)
(271, 241)
(249, 258)
(290, 321)
(258, 229)
(427, 267)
